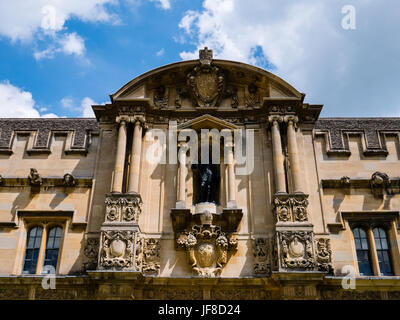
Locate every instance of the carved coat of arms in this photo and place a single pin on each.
(206, 82)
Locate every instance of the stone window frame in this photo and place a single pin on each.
(368, 221)
(47, 220)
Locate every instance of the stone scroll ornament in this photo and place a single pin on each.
(206, 82)
(123, 209)
(324, 255)
(207, 247)
(91, 251)
(120, 249)
(296, 249)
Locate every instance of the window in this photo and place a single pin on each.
(383, 252)
(40, 253)
(52, 247)
(32, 250)
(362, 248)
(373, 251)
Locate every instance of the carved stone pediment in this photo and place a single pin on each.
(206, 82)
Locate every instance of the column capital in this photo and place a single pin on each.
(275, 118)
(291, 118)
(122, 119)
(138, 119)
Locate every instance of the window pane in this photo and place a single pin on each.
(32, 250)
(362, 249)
(383, 252)
(52, 247)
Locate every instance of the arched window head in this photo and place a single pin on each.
(362, 249)
(54, 236)
(32, 250)
(383, 251)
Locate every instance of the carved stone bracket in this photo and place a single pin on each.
(123, 208)
(291, 207)
(207, 247)
(262, 256)
(207, 237)
(151, 256)
(120, 250)
(379, 184)
(296, 249)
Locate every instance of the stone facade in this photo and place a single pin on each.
(133, 229)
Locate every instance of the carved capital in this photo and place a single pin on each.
(291, 118)
(274, 119)
(122, 119)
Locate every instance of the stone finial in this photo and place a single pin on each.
(34, 177)
(205, 56)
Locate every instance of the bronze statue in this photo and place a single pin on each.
(208, 179)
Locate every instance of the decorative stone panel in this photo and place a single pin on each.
(324, 254)
(151, 256)
(123, 208)
(120, 250)
(291, 207)
(296, 249)
(262, 256)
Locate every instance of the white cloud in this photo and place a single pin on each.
(21, 20)
(86, 105)
(160, 52)
(73, 44)
(164, 4)
(16, 103)
(352, 72)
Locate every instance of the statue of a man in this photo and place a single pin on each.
(208, 182)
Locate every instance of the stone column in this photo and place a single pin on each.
(182, 173)
(231, 176)
(120, 157)
(294, 154)
(134, 170)
(278, 158)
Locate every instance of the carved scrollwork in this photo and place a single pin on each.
(161, 95)
(291, 207)
(91, 251)
(231, 92)
(207, 248)
(252, 98)
(123, 208)
(151, 256)
(324, 255)
(206, 82)
(120, 249)
(261, 252)
(296, 249)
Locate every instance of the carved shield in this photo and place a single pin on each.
(205, 255)
(207, 86)
(118, 248)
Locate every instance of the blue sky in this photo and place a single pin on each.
(89, 51)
